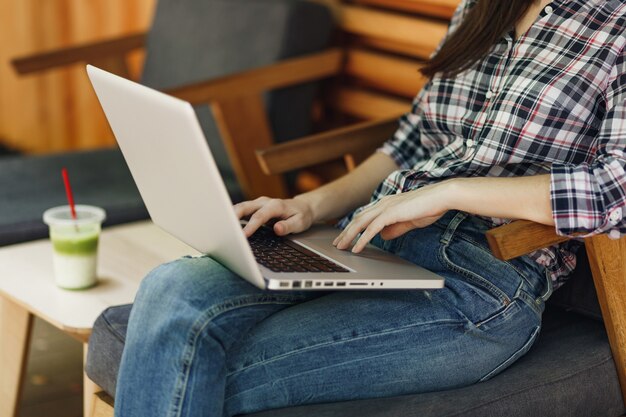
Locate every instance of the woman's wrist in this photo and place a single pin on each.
(450, 192)
(313, 200)
(506, 197)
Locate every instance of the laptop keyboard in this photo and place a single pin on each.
(283, 255)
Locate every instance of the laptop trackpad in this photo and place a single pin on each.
(354, 261)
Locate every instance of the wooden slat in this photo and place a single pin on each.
(326, 146)
(89, 53)
(244, 128)
(521, 237)
(607, 259)
(15, 331)
(437, 8)
(102, 405)
(364, 104)
(387, 46)
(391, 74)
(283, 74)
(423, 34)
(89, 387)
(115, 64)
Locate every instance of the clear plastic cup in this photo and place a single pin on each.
(75, 244)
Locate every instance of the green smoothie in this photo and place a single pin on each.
(76, 244)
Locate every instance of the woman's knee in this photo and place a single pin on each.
(180, 280)
(174, 294)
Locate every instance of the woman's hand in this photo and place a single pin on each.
(395, 215)
(295, 214)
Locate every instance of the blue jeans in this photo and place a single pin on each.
(203, 342)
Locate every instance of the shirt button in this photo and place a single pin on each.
(489, 94)
(614, 234)
(548, 10)
(469, 143)
(616, 216)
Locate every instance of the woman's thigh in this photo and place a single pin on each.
(348, 346)
(352, 345)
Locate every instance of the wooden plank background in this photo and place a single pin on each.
(57, 110)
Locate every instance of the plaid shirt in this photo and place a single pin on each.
(552, 101)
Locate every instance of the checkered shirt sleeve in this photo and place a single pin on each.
(590, 198)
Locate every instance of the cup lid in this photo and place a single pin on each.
(62, 215)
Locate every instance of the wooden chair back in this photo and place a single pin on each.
(384, 42)
(373, 67)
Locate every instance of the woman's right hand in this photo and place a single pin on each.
(295, 215)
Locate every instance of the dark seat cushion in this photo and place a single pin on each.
(31, 184)
(568, 372)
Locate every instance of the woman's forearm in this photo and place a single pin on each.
(525, 198)
(353, 190)
(512, 198)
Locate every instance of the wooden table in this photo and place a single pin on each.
(126, 254)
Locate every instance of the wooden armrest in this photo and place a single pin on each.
(521, 237)
(90, 52)
(282, 74)
(327, 146)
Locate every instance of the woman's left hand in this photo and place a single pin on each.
(395, 215)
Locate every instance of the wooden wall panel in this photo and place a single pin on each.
(57, 110)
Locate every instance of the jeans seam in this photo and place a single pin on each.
(506, 311)
(482, 248)
(349, 339)
(446, 238)
(111, 328)
(197, 329)
(514, 356)
(475, 278)
(451, 322)
(533, 303)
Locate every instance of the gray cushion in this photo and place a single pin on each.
(568, 372)
(196, 40)
(30, 185)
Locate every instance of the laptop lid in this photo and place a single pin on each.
(169, 158)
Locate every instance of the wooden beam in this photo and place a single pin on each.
(102, 405)
(422, 34)
(521, 237)
(244, 128)
(89, 387)
(283, 74)
(115, 64)
(387, 46)
(607, 259)
(367, 105)
(326, 146)
(88, 53)
(437, 8)
(15, 330)
(384, 72)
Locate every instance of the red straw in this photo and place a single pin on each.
(68, 192)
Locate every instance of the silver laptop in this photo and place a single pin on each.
(172, 165)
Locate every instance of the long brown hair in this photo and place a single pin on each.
(486, 22)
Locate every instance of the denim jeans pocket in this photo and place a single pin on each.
(484, 285)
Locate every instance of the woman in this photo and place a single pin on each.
(524, 117)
